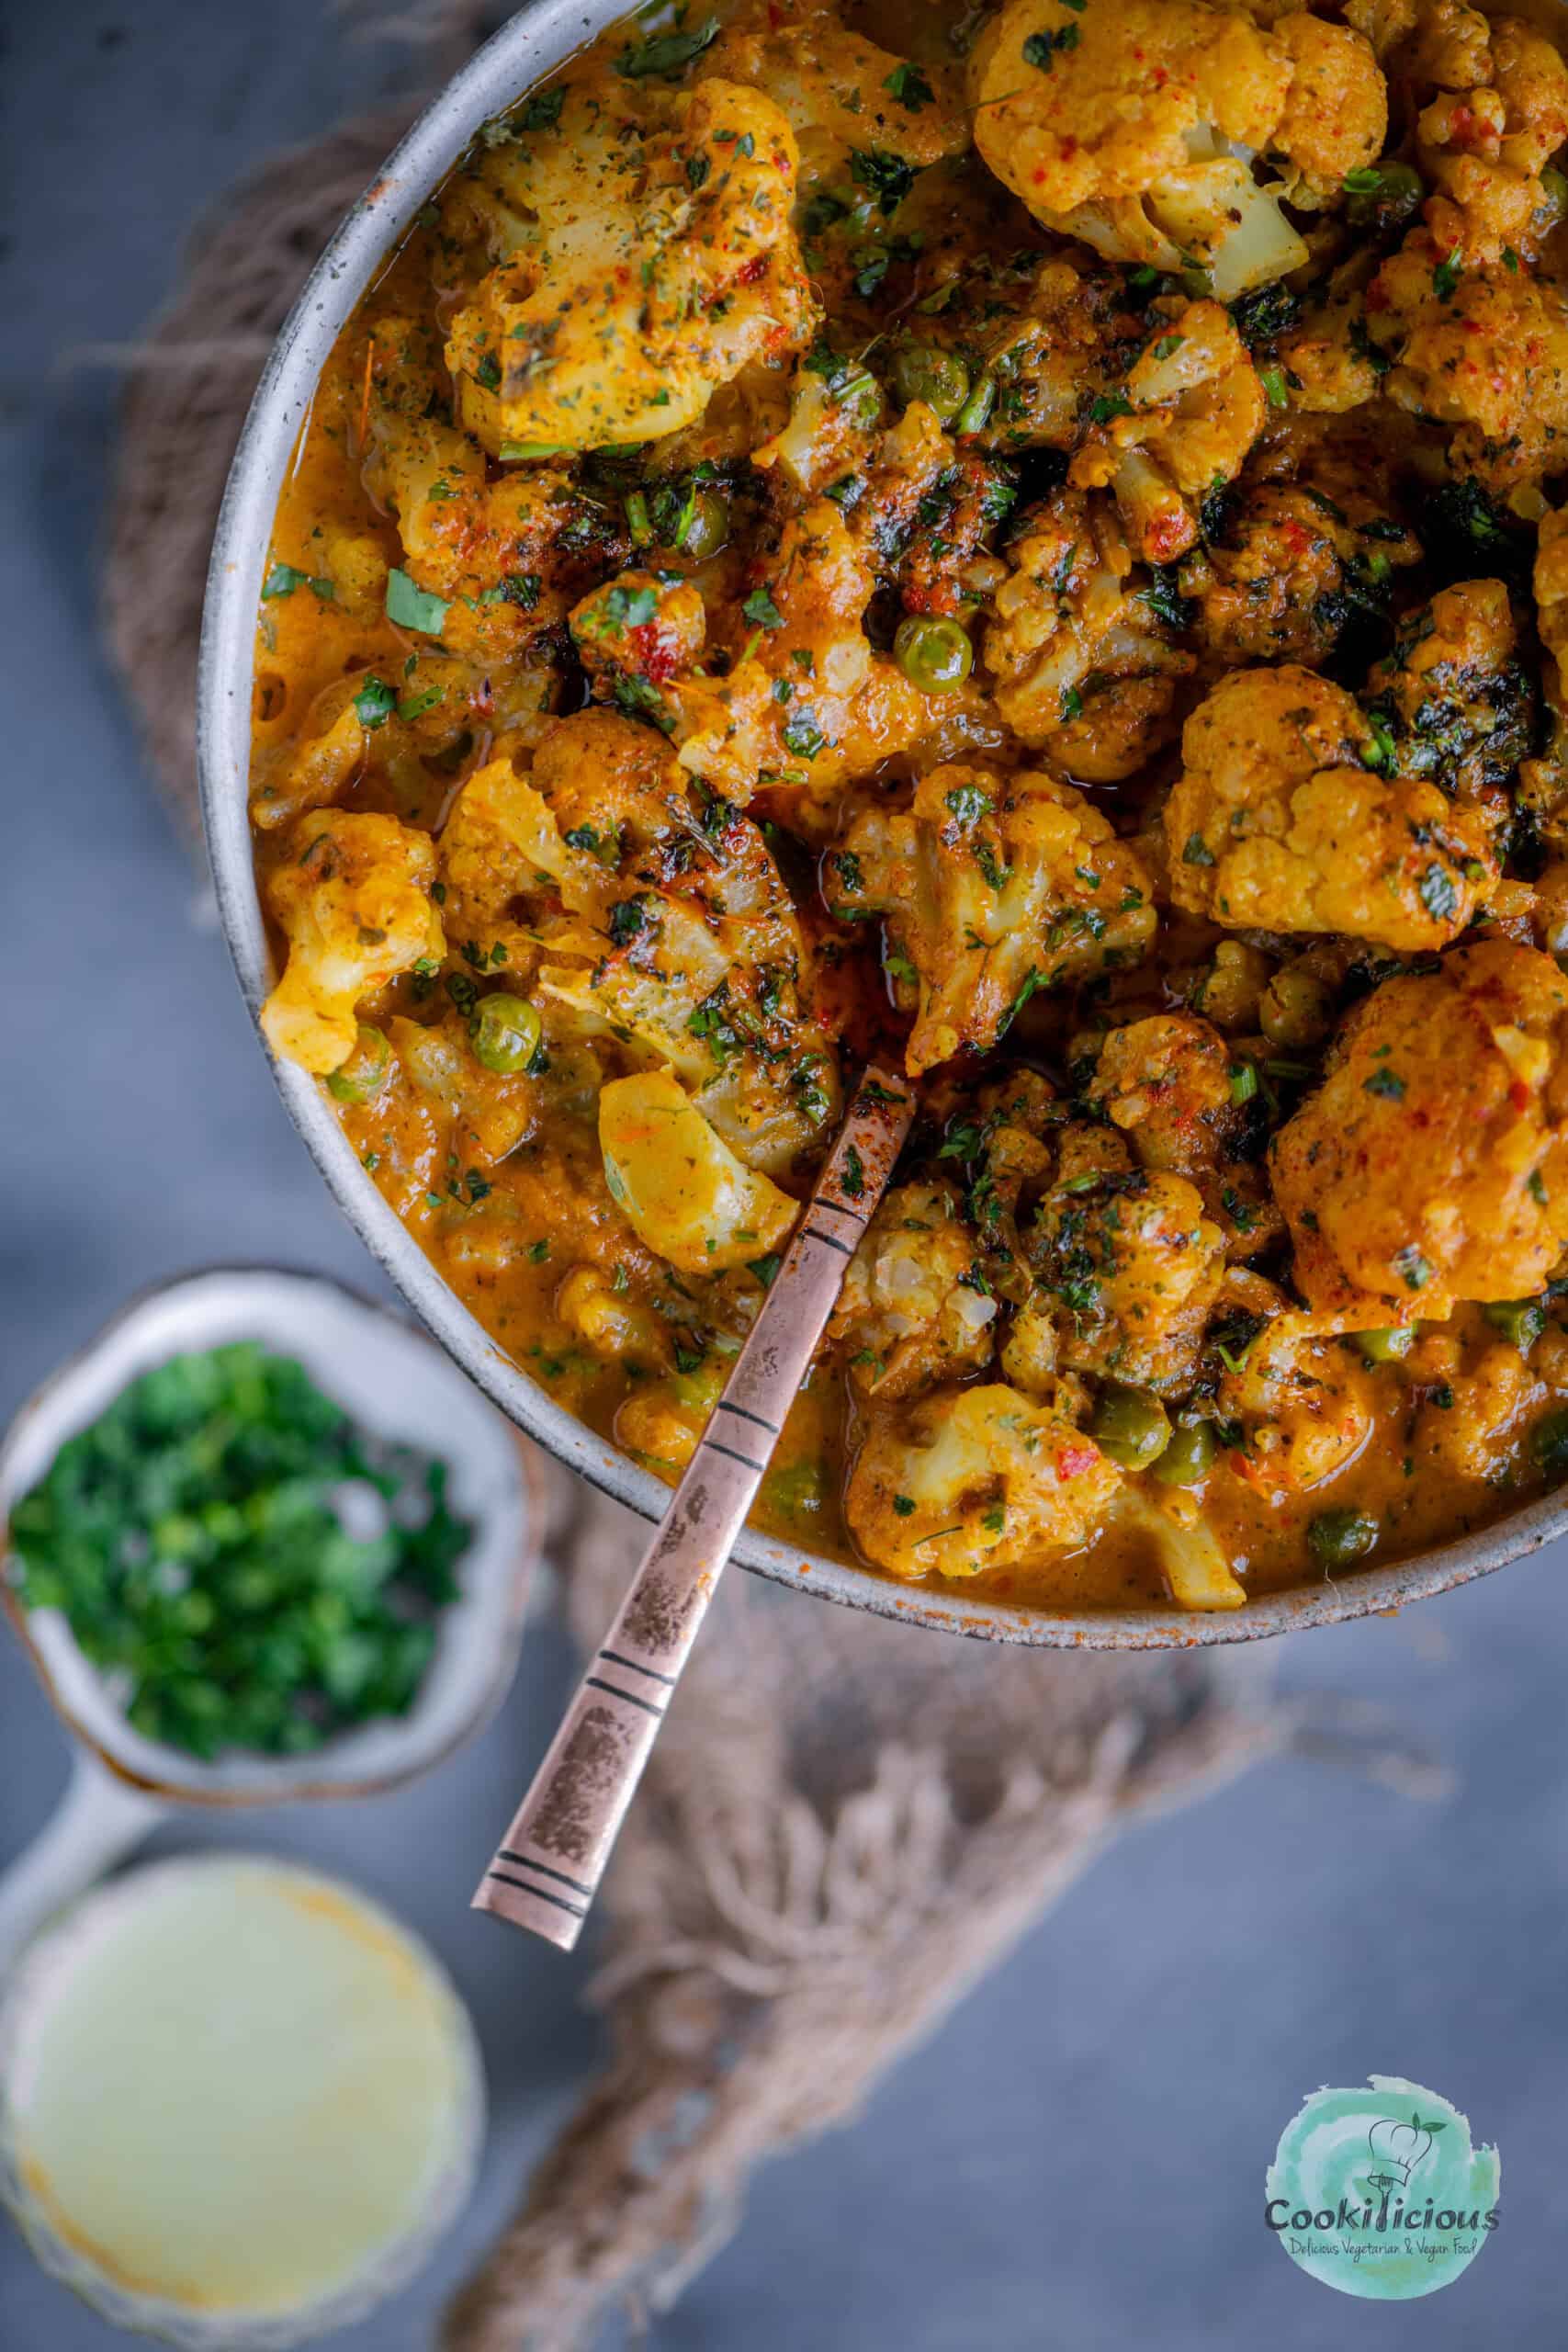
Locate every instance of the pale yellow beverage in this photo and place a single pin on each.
(236, 2088)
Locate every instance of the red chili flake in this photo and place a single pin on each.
(653, 653)
(1073, 1460)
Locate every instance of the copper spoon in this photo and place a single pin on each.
(546, 1871)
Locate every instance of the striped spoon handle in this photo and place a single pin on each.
(546, 1871)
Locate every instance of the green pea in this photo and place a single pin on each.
(707, 526)
(1549, 1444)
(363, 1074)
(504, 1033)
(1296, 1008)
(1387, 1346)
(1520, 1319)
(1396, 200)
(919, 372)
(1187, 1460)
(1130, 1426)
(934, 655)
(1555, 189)
(1336, 1539)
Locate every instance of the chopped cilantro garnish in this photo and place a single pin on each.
(669, 54)
(192, 1537)
(375, 702)
(410, 607)
(283, 580)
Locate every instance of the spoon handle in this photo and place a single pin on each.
(546, 1871)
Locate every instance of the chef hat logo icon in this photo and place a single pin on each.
(1397, 2148)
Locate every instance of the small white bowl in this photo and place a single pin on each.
(393, 1381)
(24, 2013)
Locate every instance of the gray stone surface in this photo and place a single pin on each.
(1077, 2160)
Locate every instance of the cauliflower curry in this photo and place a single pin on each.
(1021, 538)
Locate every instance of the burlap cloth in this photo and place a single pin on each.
(845, 1820)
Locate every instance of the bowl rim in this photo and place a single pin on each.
(540, 37)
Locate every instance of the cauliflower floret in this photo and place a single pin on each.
(1291, 570)
(1304, 1402)
(1336, 116)
(1484, 144)
(994, 886)
(1128, 124)
(611, 1324)
(1278, 821)
(352, 740)
(1081, 665)
(1485, 351)
(640, 625)
(1173, 1527)
(663, 922)
(909, 1314)
(354, 903)
(1473, 1433)
(1049, 359)
(1135, 1267)
(1191, 409)
(657, 271)
(485, 1116)
(679, 1184)
(1166, 1083)
(841, 93)
(1458, 706)
(1431, 1166)
(1330, 362)
(835, 408)
(810, 704)
(501, 555)
(974, 1478)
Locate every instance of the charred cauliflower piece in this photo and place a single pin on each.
(677, 1183)
(1453, 696)
(353, 903)
(1129, 124)
(1291, 570)
(1282, 820)
(993, 886)
(1082, 666)
(1432, 1164)
(655, 268)
(914, 1307)
(974, 1478)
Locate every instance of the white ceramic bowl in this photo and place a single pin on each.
(539, 38)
